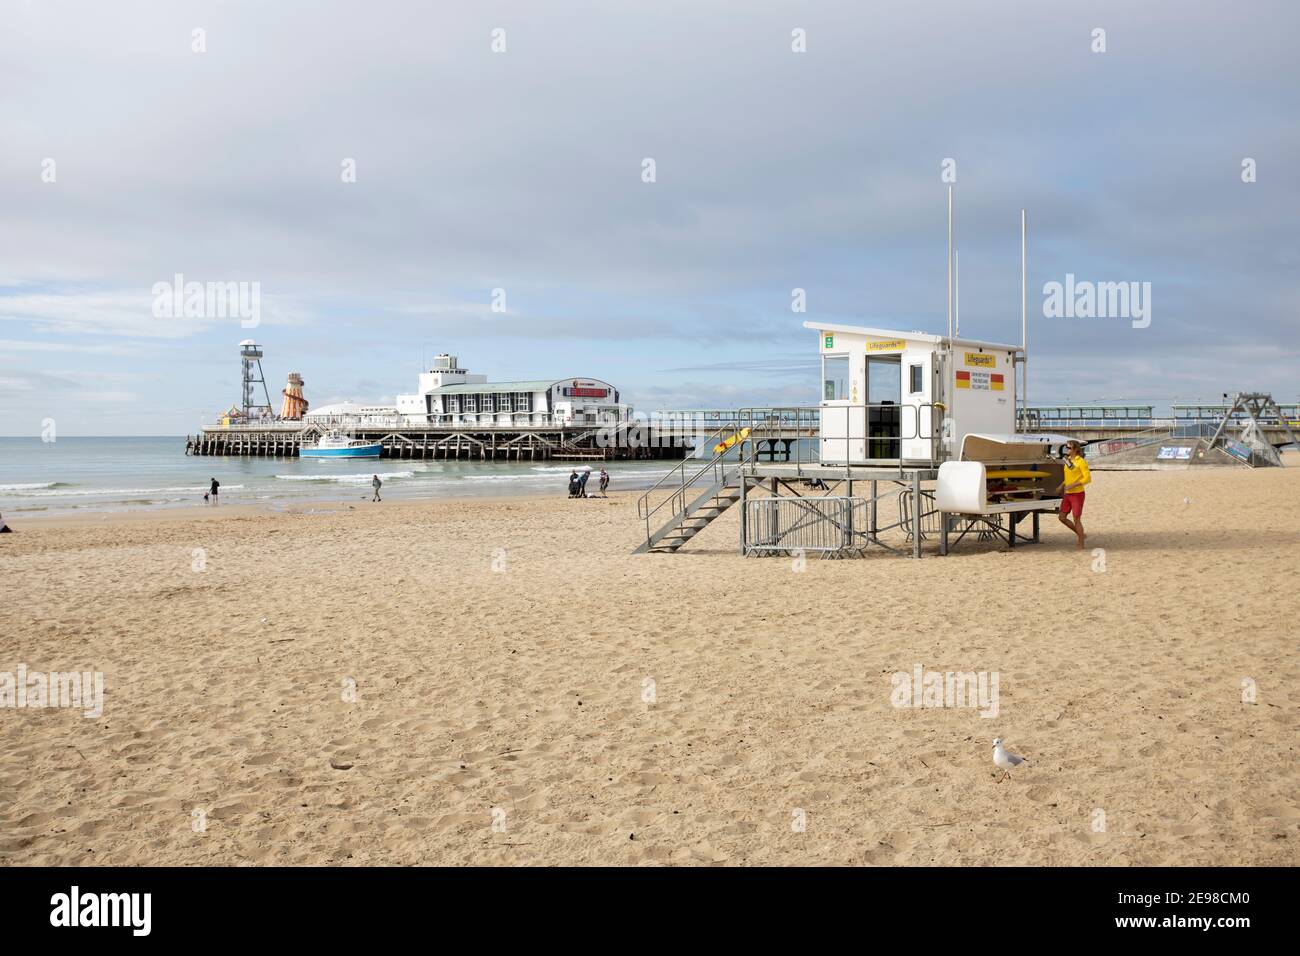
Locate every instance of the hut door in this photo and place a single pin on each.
(884, 396)
(917, 388)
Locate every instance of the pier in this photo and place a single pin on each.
(613, 442)
(674, 434)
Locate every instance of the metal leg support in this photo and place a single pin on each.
(916, 515)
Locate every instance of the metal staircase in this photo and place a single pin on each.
(686, 511)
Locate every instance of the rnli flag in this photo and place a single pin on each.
(963, 379)
(995, 381)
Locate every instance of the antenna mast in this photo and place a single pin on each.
(1024, 316)
(956, 285)
(950, 268)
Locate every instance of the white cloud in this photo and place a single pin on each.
(521, 171)
(33, 345)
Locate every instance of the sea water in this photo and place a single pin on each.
(113, 474)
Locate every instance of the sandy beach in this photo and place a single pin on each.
(503, 682)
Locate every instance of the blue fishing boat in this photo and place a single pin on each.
(338, 445)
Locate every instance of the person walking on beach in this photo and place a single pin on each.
(213, 490)
(574, 483)
(582, 482)
(376, 484)
(604, 481)
(1076, 476)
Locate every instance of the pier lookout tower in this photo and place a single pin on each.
(250, 355)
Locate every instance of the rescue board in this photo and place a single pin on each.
(1029, 475)
(722, 446)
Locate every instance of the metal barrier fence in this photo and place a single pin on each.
(907, 513)
(822, 525)
(838, 525)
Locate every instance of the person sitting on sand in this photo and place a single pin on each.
(376, 484)
(573, 483)
(1076, 476)
(604, 482)
(4, 528)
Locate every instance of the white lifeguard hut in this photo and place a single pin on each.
(890, 397)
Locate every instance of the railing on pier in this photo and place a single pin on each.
(1038, 417)
(707, 418)
(434, 423)
(1216, 413)
(1134, 416)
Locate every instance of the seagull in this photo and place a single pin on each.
(1005, 760)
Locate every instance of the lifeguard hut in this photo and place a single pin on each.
(891, 397)
(896, 409)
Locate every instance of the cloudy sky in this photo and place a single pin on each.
(129, 158)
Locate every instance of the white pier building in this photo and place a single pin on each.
(450, 395)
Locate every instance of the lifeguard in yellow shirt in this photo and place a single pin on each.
(1071, 489)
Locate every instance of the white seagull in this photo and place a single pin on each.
(1005, 761)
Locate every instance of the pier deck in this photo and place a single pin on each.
(446, 442)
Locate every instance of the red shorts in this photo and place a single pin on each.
(1073, 501)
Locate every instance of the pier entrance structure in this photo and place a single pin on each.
(858, 470)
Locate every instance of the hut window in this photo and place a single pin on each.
(835, 378)
(916, 381)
